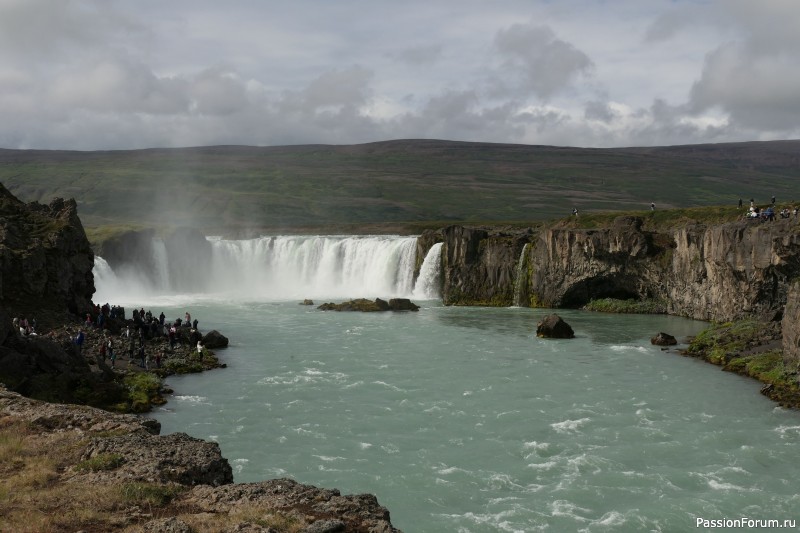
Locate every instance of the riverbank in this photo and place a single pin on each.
(750, 348)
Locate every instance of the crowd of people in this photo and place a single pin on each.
(767, 214)
(135, 333)
(26, 327)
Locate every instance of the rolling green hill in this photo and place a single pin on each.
(394, 184)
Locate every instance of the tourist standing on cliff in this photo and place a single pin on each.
(652, 206)
(142, 357)
(111, 354)
(79, 338)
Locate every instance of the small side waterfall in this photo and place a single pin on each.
(161, 264)
(429, 280)
(520, 281)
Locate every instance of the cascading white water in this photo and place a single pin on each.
(292, 267)
(520, 276)
(277, 268)
(428, 283)
(127, 285)
(161, 263)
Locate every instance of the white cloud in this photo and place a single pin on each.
(94, 74)
(536, 61)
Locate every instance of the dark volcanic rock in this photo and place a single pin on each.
(663, 339)
(214, 339)
(176, 458)
(402, 304)
(360, 512)
(554, 327)
(45, 258)
(40, 367)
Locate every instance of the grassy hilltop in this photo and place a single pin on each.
(395, 185)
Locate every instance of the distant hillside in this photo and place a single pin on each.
(394, 182)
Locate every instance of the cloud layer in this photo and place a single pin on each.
(92, 74)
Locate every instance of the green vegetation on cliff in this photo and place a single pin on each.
(613, 305)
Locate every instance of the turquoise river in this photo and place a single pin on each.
(462, 420)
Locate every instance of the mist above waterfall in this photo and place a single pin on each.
(272, 269)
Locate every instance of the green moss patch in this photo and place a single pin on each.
(613, 305)
(103, 461)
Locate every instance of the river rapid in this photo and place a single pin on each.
(460, 419)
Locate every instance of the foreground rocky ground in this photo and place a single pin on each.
(76, 468)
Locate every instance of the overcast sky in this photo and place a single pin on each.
(99, 74)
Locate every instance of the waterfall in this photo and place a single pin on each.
(520, 281)
(160, 264)
(274, 268)
(127, 285)
(428, 283)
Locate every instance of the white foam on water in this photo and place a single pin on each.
(570, 426)
(239, 465)
(565, 508)
(192, 399)
(788, 431)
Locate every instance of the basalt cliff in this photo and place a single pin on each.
(46, 259)
(708, 272)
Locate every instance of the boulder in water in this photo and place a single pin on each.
(307, 302)
(554, 327)
(663, 339)
(214, 339)
(402, 304)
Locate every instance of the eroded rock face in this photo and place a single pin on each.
(176, 458)
(360, 512)
(45, 258)
(479, 266)
(790, 326)
(721, 273)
